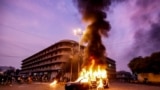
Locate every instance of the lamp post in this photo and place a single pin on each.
(79, 33)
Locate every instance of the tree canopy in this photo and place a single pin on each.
(148, 64)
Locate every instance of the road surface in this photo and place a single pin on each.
(46, 86)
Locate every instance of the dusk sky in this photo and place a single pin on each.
(29, 26)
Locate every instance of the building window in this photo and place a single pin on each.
(109, 65)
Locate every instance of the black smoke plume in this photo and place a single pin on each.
(93, 13)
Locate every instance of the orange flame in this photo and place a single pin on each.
(53, 83)
(100, 85)
(93, 73)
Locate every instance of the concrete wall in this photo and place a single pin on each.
(149, 76)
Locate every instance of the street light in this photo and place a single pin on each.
(79, 33)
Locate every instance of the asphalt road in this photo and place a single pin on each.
(129, 86)
(46, 86)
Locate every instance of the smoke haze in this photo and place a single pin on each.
(147, 21)
(138, 22)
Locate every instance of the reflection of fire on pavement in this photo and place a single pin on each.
(53, 83)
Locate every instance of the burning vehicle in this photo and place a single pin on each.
(77, 86)
(90, 78)
(93, 73)
(85, 85)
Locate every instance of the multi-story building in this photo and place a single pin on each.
(111, 68)
(58, 60)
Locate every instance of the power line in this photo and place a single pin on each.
(78, 20)
(35, 35)
(11, 56)
(17, 45)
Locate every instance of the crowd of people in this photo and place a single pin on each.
(21, 79)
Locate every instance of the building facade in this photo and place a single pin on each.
(124, 76)
(58, 61)
(111, 68)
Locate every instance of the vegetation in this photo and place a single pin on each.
(149, 64)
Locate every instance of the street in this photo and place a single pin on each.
(46, 86)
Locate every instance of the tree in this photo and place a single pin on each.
(134, 64)
(148, 64)
(155, 64)
(17, 72)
